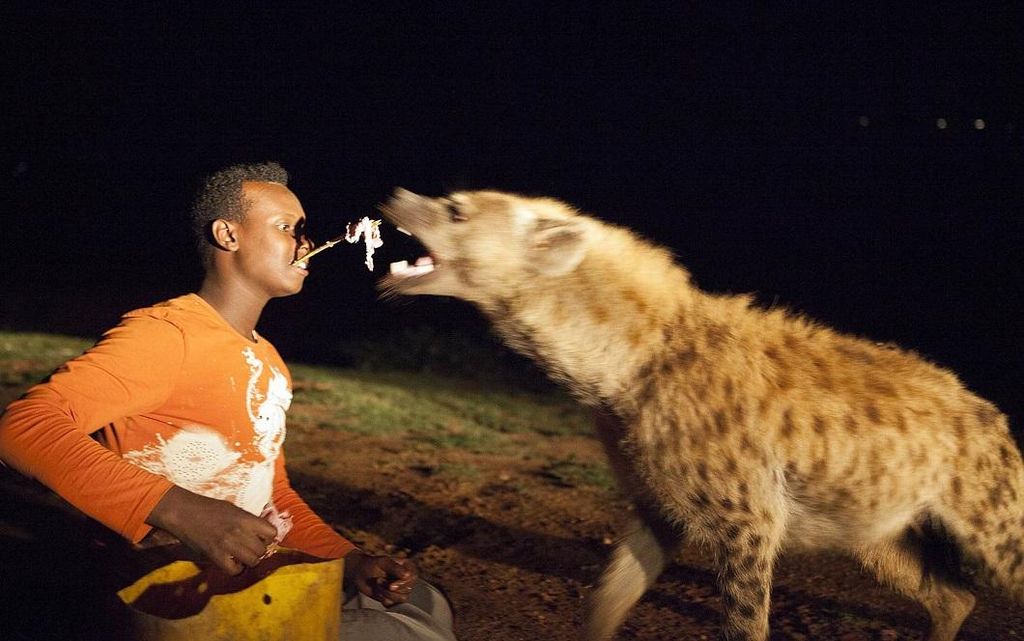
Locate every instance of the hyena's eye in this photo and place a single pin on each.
(454, 214)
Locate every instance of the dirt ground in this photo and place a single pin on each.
(516, 549)
(514, 546)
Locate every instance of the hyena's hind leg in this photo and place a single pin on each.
(983, 507)
(923, 565)
(635, 565)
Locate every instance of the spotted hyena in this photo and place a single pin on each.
(748, 431)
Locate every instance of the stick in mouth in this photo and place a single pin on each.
(368, 229)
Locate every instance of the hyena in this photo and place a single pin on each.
(746, 430)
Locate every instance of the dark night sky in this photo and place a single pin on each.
(734, 136)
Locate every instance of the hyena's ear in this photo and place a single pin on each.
(557, 246)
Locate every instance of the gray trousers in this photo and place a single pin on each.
(426, 616)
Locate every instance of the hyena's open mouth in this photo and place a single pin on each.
(413, 215)
(404, 278)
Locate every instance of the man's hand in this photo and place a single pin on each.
(227, 535)
(387, 579)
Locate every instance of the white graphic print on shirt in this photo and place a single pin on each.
(201, 460)
(269, 417)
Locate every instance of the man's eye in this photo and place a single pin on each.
(454, 214)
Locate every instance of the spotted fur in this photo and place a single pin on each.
(748, 431)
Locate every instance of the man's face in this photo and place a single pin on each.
(272, 235)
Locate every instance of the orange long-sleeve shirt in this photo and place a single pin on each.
(177, 397)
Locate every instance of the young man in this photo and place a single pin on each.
(170, 428)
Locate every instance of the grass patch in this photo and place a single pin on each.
(465, 351)
(27, 358)
(459, 470)
(439, 411)
(569, 472)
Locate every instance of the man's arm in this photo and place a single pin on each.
(46, 433)
(133, 370)
(387, 579)
(309, 533)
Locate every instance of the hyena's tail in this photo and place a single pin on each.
(984, 508)
(635, 564)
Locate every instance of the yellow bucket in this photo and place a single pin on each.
(288, 596)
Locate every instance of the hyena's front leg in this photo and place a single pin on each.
(635, 564)
(746, 561)
(641, 555)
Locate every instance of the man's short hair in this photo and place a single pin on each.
(221, 197)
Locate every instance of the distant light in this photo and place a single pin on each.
(979, 123)
(941, 123)
(864, 121)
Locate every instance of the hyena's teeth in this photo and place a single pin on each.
(402, 268)
(404, 231)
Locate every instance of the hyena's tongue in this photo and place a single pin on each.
(423, 265)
